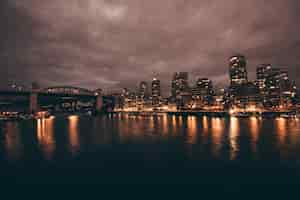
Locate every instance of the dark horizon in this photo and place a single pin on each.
(116, 44)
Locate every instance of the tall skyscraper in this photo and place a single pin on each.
(263, 72)
(203, 87)
(203, 91)
(129, 98)
(280, 88)
(238, 80)
(181, 93)
(237, 70)
(179, 84)
(156, 92)
(143, 90)
(275, 86)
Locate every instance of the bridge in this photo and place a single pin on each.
(63, 98)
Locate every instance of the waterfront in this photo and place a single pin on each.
(136, 143)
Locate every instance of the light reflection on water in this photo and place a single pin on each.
(204, 136)
(45, 135)
(217, 128)
(192, 130)
(12, 141)
(233, 137)
(74, 134)
(254, 130)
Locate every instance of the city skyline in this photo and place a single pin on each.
(146, 92)
(111, 44)
(189, 83)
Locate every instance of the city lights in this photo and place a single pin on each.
(272, 91)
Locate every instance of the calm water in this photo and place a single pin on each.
(145, 141)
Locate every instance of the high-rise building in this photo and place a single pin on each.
(263, 72)
(237, 70)
(181, 94)
(143, 101)
(280, 90)
(275, 87)
(238, 80)
(219, 99)
(245, 96)
(143, 90)
(179, 84)
(203, 92)
(129, 98)
(203, 87)
(156, 92)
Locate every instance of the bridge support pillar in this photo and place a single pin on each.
(99, 103)
(33, 102)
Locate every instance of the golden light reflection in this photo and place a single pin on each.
(174, 124)
(217, 127)
(205, 124)
(192, 130)
(74, 134)
(45, 135)
(151, 123)
(165, 124)
(13, 144)
(254, 130)
(180, 119)
(205, 128)
(130, 129)
(294, 129)
(281, 129)
(233, 137)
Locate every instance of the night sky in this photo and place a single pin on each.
(118, 43)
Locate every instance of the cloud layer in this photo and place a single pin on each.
(117, 43)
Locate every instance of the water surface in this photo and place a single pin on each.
(154, 142)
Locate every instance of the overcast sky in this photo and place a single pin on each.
(118, 43)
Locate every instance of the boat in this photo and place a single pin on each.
(241, 114)
(42, 115)
(288, 115)
(9, 117)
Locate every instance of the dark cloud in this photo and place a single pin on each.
(117, 43)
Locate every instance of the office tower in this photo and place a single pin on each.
(181, 94)
(179, 84)
(203, 92)
(238, 80)
(263, 72)
(245, 95)
(237, 70)
(143, 90)
(280, 90)
(156, 92)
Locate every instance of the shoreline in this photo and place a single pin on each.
(267, 114)
(225, 114)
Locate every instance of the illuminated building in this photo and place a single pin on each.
(238, 90)
(119, 101)
(143, 90)
(219, 99)
(156, 92)
(129, 99)
(263, 72)
(203, 92)
(277, 90)
(143, 95)
(237, 70)
(246, 95)
(179, 84)
(181, 94)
